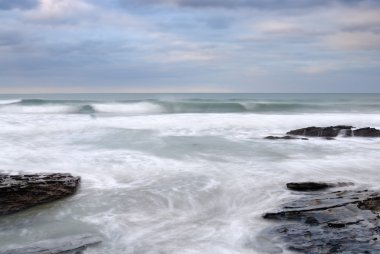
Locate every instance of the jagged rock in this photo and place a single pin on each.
(18, 192)
(346, 221)
(284, 137)
(366, 132)
(314, 186)
(331, 131)
(66, 245)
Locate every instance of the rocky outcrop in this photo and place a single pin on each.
(344, 221)
(334, 131)
(66, 245)
(18, 192)
(366, 132)
(331, 131)
(283, 137)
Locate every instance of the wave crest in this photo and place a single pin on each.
(128, 108)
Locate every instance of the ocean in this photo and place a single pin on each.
(177, 173)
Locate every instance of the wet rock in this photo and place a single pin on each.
(307, 186)
(366, 132)
(18, 192)
(284, 137)
(66, 245)
(314, 186)
(333, 131)
(330, 132)
(345, 221)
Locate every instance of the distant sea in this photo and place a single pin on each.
(177, 173)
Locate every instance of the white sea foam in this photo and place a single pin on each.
(128, 108)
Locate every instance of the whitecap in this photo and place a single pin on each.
(10, 101)
(128, 108)
(45, 109)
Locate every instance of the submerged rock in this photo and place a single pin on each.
(66, 245)
(314, 186)
(18, 192)
(284, 137)
(307, 186)
(346, 221)
(87, 109)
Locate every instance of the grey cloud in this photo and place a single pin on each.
(17, 4)
(360, 20)
(217, 22)
(8, 38)
(190, 42)
(261, 4)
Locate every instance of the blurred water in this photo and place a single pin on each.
(175, 181)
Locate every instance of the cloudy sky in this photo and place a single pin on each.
(189, 46)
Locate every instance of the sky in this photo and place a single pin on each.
(64, 46)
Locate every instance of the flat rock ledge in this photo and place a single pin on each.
(343, 221)
(66, 245)
(19, 192)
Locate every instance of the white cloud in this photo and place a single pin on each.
(178, 56)
(359, 18)
(351, 41)
(278, 27)
(173, 49)
(319, 69)
(59, 9)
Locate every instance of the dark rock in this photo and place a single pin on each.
(331, 131)
(366, 132)
(348, 133)
(314, 186)
(345, 221)
(66, 245)
(18, 192)
(284, 137)
(307, 186)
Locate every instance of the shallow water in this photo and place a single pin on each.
(177, 173)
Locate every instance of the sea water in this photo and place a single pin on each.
(177, 173)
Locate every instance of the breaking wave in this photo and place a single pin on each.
(129, 108)
(175, 107)
(4, 102)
